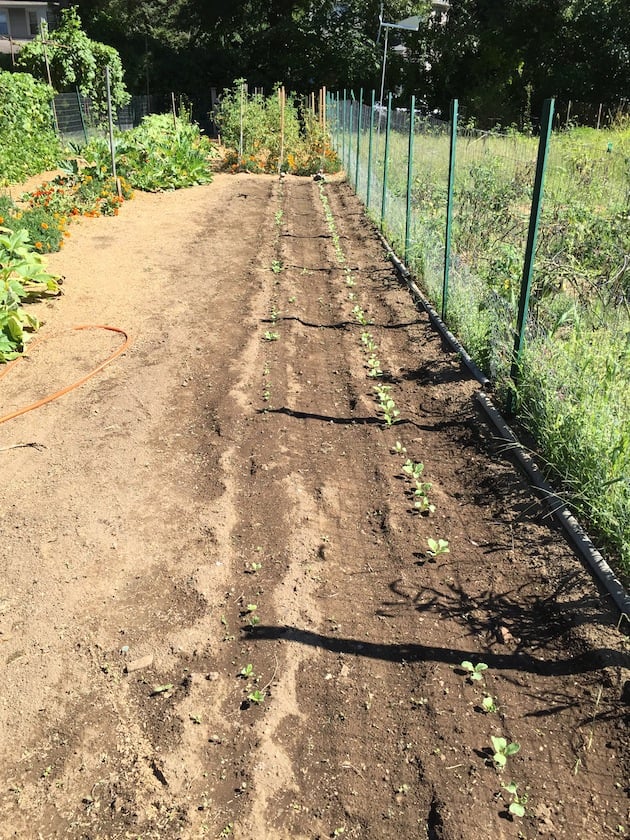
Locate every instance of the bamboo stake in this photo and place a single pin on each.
(281, 97)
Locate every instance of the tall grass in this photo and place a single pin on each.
(574, 377)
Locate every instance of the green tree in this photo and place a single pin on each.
(499, 56)
(187, 45)
(68, 58)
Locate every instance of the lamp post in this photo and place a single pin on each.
(410, 24)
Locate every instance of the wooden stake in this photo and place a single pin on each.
(281, 97)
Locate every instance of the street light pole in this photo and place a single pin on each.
(380, 101)
(410, 24)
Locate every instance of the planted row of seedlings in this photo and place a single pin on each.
(418, 490)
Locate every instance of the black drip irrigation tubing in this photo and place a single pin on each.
(577, 537)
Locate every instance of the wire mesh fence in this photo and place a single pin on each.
(537, 291)
(76, 120)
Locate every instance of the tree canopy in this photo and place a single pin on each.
(68, 59)
(500, 58)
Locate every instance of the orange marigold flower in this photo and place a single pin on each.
(44, 226)
(1, 220)
(38, 245)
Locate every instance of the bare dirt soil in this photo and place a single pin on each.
(219, 616)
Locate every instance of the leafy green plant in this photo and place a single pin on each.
(502, 750)
(160, 154)
(247, 671)
(267, 134)
(488, 704)
(28, 143)
(22, 278)
(387, 405)
(254, 567)
(276, 266)
(421, 500)
(374, 367)
(437, 547)
(399, 449)
(73, 59)
(474, 672)
(517, 802)
(413, 469)
(256, 696)
(269, 335)
(360, 315)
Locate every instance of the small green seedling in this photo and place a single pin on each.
(503, 750)
(488, 704)
(391, 414)
(161, 689)
(517, 803)
(437, 547)
(413, 469)
(276, 266)
(256, 696)
(360, 315)
(254, 567)
(247, 671)
(271, 336)
(278, 217)
(421, 499)
(474, 672)
(398, 449)
(374, 366)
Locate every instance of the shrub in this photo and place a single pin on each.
(161, 154)
(267, 137)
(28, 143)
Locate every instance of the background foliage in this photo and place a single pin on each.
(75, 60)
(501, 58)
(28, 143)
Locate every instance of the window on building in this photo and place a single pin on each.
(4, 24)
(33, 23)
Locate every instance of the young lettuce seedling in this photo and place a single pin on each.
(413, 469)
(256, 696)
(503, 750)
(437, 547)
(517, 804)
(488, 704)
(475, 672)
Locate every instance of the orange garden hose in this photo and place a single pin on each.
(74, 385)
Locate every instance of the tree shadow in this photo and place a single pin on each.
(531, 621)
(360, 421)
(581, 663)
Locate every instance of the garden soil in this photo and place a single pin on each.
(219, 613)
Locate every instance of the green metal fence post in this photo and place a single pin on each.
(369, 166)
(530, 248)
(356, 163)
(386, 158)
(343, 129)
(449, 207)
(350, 131)
(412, 115)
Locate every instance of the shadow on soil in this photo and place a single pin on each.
(362, 421)
(517, 661)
